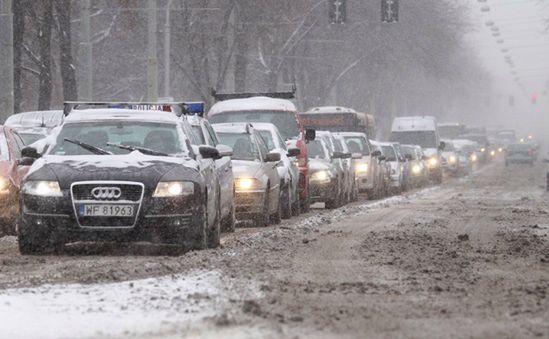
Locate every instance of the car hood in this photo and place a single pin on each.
(430, 152)
(129, 167)
(246, 168)
(319, 165)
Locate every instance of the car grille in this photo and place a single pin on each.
(131, 193)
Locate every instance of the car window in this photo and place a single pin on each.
(389, 152)
(263, 149)
(315, 150)
(19, 144)
(198, 135)
(243, 146)
(268, 139)
(161, 137)
(285, 121)
(280, 141)
(211, 134)
(357, 145)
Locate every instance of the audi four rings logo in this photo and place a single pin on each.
(106, 192)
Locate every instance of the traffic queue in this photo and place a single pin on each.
(171, 173)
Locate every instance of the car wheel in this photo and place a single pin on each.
(286, 202)
(296, 206)
(229, 223)
(214, 234)
(198, 240)
(262, 220)
(354, 195)
(276, 218)
(7, 227)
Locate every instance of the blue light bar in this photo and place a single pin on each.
(195, 108)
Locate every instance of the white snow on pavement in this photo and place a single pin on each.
(115, 309)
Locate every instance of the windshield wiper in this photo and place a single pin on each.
(143, 150)
(88, 147)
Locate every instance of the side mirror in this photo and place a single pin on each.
(425, 157)
(272, 157)
(26, 161)
(376, 153)
(382, 158)
(442, 146)
(356, 156)
(337, 155)
(408, 157)
(294, 152)
(224, 150)
(208, 152)
(310, 134)
(30, 152)
(347, 155)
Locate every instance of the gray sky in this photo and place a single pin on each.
(521, 26)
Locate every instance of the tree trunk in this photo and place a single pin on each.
(18, 36)
(44, 43)
(68, 72)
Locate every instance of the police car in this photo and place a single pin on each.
(119, 174)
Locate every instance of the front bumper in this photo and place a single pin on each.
(323, 191)
(249, 204)
(159, 220)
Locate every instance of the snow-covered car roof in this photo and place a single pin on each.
(330, 109)
(252, 104)
(425, 123)
(234, 127)
(351, 134)
(95, 114)
(50, 118)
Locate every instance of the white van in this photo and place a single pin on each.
(421, 131)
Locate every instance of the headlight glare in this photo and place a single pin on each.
(4, 184)
(452, 159)
(416, 169)
(166, 189)
(474, 157)
(320, 176)
(362, 168)
(433, 162)
(42, 188)
(245, 184)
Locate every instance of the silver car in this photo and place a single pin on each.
(397, 173)
(257, 182)
(287, 168)
(351, 183)
(203, 134)
(342, 161)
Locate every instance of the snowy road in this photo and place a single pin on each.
(467, 259)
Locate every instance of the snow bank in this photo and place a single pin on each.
(115, 309)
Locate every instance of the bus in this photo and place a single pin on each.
(339, 119)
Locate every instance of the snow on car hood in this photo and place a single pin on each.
(246, 168)
(319, 165)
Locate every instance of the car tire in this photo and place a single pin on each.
(276, 218)
(286, 202)
(7, 227)
(196, 241)
(296, 206)
(214, 233)
(229, 223)
(262, 220)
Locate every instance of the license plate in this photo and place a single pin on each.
(106, 210)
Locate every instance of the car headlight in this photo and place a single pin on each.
(167, 189)
(244, 184)
(493, 153)
(362, 168)
(500, 150)
(4, 185)
(320, 176)
(452, 159)
(433, 162)
(483, 150)
(42, 188)
(416, 169)
(474, 157)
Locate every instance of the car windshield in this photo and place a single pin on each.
(286, 122)
(315, 150)
(425, 139)
(357, 145)
(410, 151)
(197, 133)
(242, 145)
(389, 153)
(158, 137)
(268, 138)
(449, 147)
(29, 138)
(519, 148)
